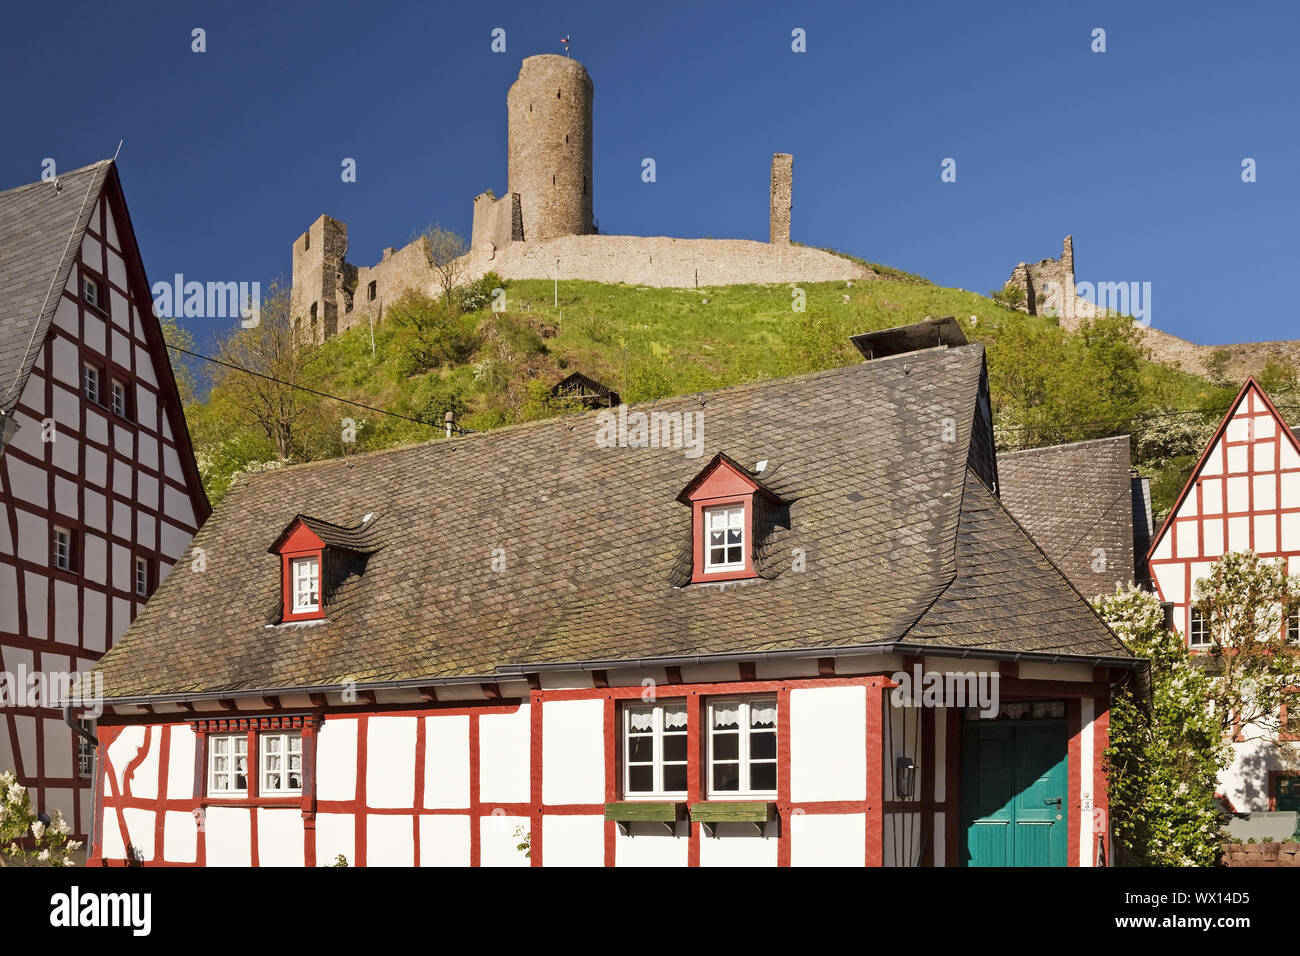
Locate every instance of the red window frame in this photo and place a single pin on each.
(700, 573)
(299, 541)
(721, 484)
(253, 728)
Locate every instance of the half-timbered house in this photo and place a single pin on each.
(1243, 495)
(99, 493)
(786, 623)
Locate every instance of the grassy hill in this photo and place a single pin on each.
(495, 368)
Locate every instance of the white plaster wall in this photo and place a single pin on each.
(114, 844)
(818, 839)
(446, 762)
(828, 743)
(140, 826)
(227, 836)
(504, 756)
(1245, 781)
(444, 840)
(279, 837)
(573, 840)
(498, 842)
(390, 840)
(649, 844)
(390, 762)
(180, 837)
(180, 763)
(573, 751)
(737, 844)
(336, 760)
(335, 834)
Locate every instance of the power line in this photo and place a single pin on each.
(303, 388)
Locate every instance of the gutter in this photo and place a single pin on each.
(521, 670)
(86, 735)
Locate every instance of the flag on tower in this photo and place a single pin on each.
(565, 40)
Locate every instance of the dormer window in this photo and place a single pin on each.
(722, 499)
(316, 559)
(306, 584)
(724, 545)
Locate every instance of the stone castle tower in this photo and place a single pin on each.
(544, 227)
(548, 160)
(322, 280)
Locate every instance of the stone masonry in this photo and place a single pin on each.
(782, 188)
(1239, 360)
(546, 215)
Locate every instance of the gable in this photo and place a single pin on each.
(1237, 495)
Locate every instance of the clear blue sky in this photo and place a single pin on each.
(1137, 151)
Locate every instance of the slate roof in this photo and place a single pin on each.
(1074, 499)
(361, 537)
(40, 238)
(899, 542)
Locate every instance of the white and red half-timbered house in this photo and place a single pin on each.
(99, 493)
(822, 641)
(1244, 495)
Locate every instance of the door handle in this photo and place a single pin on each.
(1055, 800)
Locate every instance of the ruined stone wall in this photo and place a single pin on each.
(322, 280)
(1038, 278)
(548, 160)
(664, 262)
(782, 189)
(497, 222)
(378, 286)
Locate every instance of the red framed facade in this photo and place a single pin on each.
(928, 803)
(43, 749)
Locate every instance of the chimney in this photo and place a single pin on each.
(927, 334)
(450, 421)
(782, 190)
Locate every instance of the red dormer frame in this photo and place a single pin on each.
(295, 542)
(722, 482)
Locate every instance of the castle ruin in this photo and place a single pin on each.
(544, 227)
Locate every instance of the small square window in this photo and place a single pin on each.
(90, 382)
(228, 764)
(119, 399)
(91, 292)
(724, 542)
(281, 756)
(62, 547)
(142, 577)
(1293, 627)
(1199, 635)
(85, 750)
(306, 584)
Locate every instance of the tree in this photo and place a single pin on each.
(1245, 601)
(445, 250)
(271, 360)
(1164, 756)
(179, 338)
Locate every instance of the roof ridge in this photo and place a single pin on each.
(740, 388)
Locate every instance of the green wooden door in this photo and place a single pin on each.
(1013, 792)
